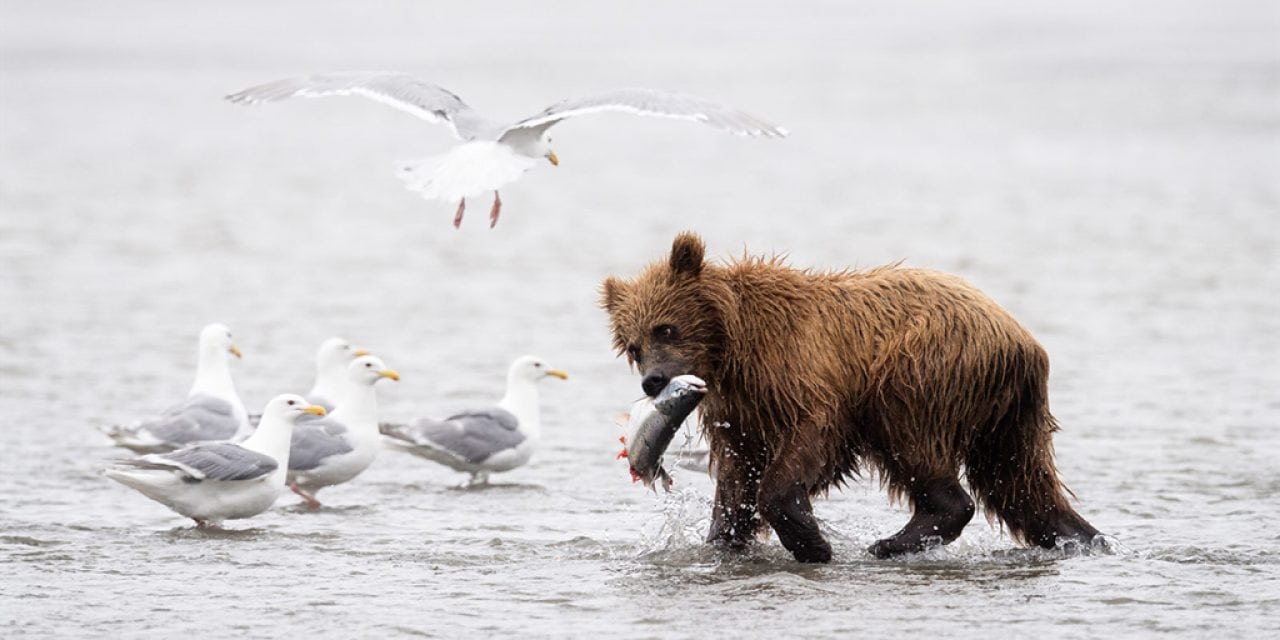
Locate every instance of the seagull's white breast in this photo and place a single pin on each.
(469, 169)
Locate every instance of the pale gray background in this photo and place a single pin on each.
(1108, 173)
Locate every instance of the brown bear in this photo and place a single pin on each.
(813, 376)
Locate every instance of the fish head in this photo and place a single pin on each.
(681, 395)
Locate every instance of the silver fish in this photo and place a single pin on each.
(654, 422)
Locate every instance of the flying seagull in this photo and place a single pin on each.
(493, 154)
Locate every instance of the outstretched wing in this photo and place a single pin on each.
(210, 461)
(648, 102)
(400, 90)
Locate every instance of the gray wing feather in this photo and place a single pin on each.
(650, 102)
(199, 418)
(399, 90)
(315, 441)
(473, 436)
(211, 461)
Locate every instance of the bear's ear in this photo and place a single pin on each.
(611, 293)
(687, 253)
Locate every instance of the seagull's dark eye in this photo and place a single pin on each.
(538, 365)
(292, 402)
(633, 352)
(665, 333)
(368, 364)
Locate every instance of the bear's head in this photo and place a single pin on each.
(668, 321)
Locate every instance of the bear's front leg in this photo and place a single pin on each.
(784, 502)
(734, 522)
(787, 509)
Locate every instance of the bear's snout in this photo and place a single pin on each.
(654, 383)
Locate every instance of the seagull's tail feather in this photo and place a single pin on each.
(469, 169)
(393, 430)
(134, 438)
(397, 437)
(155, 483)
(402, 437)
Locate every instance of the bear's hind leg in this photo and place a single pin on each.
(941, 509)
(1010, 467)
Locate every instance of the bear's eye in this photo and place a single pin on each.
(633, 352)
(665, 332)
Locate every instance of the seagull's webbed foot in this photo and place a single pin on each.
(457, 217)
(495, 210)
(308, 498)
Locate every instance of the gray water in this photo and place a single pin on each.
(1109, 174)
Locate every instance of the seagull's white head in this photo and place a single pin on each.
(368, 370)
(216, 338)
(291, 407)
(533, 369)
(529, 143)
(545, 144)
(336, 353)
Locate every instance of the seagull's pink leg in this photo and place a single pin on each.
(310, 499)
(497, 208)
(457, 217)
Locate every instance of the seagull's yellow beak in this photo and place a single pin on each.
(361, 352)
(551, 157)
(235, 351)
(556, 373)
(389, 373)
(315, 410)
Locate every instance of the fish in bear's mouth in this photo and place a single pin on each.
(653, 422)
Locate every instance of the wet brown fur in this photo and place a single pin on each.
(814, 375)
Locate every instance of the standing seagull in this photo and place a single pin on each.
(342, 445)
(217, 481)
(492, 153)
(212, 410)
(493, 439)
(332, 359)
